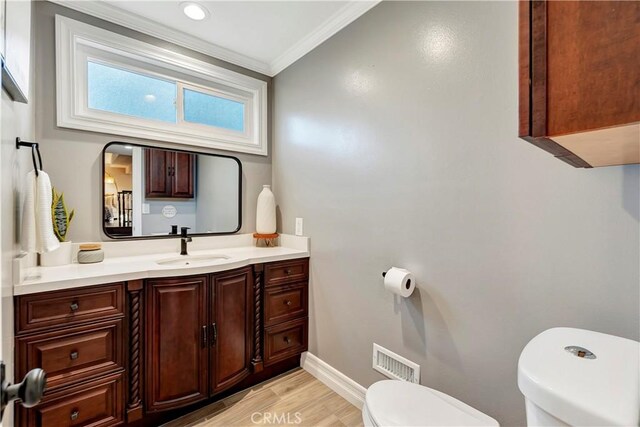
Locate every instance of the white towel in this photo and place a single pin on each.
(37, 223)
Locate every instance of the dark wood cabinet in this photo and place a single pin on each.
(286, 308)
(177, 362)
(230, 328)
(194, 334)
(579, 80)
(169, 174)
(139, 352)
(77, 337)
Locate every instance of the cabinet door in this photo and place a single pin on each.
(231, 328)
(177, 365)
(158, 173)
(182, 175)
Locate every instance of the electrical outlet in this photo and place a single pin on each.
(145, 208)
(299, 231)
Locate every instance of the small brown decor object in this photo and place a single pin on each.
(90, 246)
(266, 240)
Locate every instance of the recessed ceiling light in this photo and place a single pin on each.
(194, 11)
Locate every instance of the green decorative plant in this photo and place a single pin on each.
(61, 217)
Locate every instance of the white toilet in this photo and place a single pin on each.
(574, 377)
(400, 403)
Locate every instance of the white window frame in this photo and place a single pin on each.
(77, 43)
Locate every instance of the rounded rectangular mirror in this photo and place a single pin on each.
(154, 192)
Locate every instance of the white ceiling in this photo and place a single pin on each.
(264, 36)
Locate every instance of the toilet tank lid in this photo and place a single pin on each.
(400, 403)
(580, 391)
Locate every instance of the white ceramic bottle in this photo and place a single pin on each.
(266, 212)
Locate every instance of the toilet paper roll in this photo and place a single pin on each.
(400, 281)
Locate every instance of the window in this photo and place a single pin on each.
(125, 92)
(113, 84)
(213, 110)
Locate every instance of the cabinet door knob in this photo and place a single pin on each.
(214, 334)
(204, 336)
(74, 415)
(287, 302)
(287, 340)
(73, 355)
(74, 306)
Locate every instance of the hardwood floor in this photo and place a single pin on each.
(292, 399)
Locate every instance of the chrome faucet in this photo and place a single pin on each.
(184, 239)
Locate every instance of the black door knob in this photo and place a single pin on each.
(29, 391)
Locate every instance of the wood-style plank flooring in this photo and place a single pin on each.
(292, 399)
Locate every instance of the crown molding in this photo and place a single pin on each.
(105, 11)
(343, 17)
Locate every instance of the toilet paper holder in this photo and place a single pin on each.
(399, 281)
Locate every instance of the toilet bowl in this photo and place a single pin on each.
(400, 403)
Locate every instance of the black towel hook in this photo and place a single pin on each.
(35, 149)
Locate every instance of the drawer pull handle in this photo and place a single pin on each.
(287, 272)
(74, 415)
(287, 302)
(287, 340)
(74, 306)
(73, 355)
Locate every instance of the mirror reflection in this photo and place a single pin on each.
(150, 192)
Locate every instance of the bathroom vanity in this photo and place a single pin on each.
(163, 340)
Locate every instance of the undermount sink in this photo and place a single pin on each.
(185, 260)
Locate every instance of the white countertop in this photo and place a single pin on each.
(131, 265)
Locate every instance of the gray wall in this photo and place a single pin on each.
(72, 157)
(396, 142)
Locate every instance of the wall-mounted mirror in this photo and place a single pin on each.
(153, 192)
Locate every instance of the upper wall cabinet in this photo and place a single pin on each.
(169, 174)
(110, 83)
(580, 80)
(15, 46)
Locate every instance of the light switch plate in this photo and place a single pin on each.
(299, 229)
(145, 208)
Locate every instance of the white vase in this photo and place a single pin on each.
(61, 256)
(266, 212)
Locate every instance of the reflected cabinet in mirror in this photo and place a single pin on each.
(154, 192)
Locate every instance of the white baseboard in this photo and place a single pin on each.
(334, 379)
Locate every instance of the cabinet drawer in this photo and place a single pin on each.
(296, 270)
(284, 303)
(68, 307)
(97, 404)
(72, 355)
(285, 340)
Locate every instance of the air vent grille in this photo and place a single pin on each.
(394, 366)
